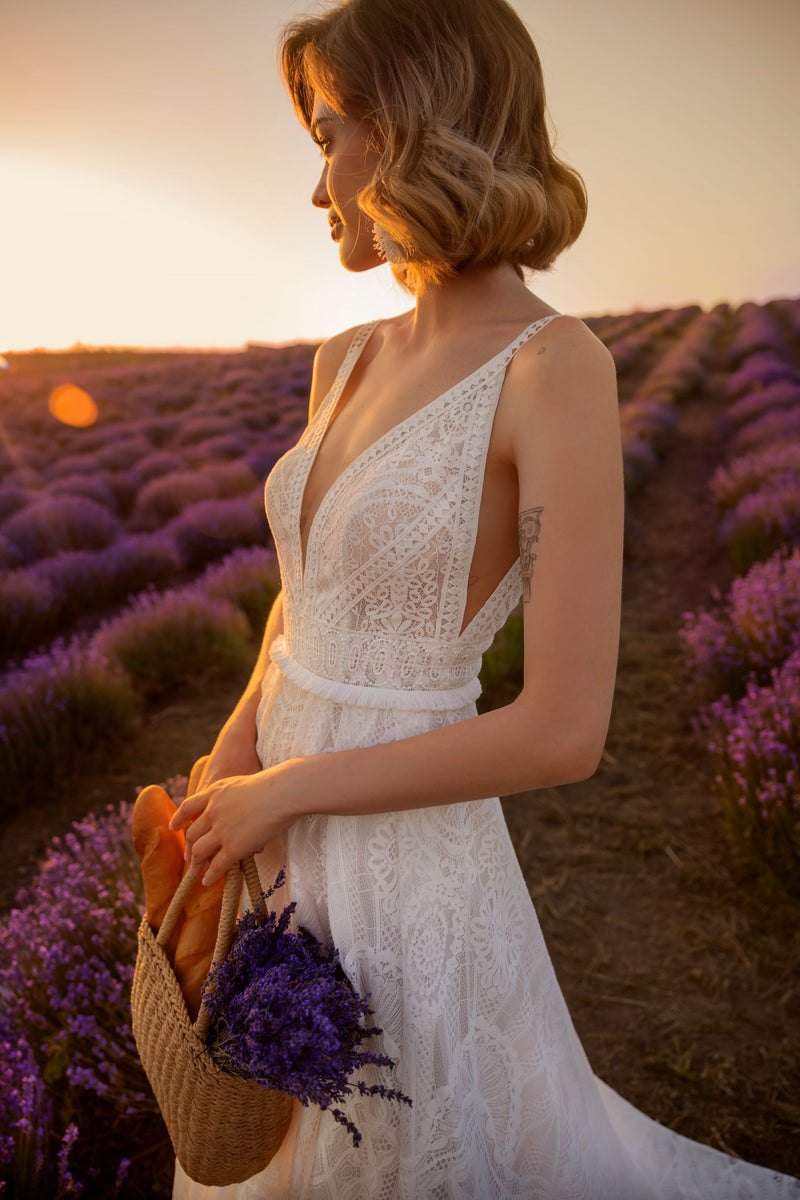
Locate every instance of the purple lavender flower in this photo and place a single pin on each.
(201, 427)
(38, 601)
(759, 370)
(781, 395)
(754, 631)
(639, 461)
(286, 1015)
(160, 462)
(158, 431)
(756, 744)
(161, 638)
(755, 330)
(225, 446)
(51, 713)
(213, 528)
(777, 466)
(94, 487)
(70, 1079)
(12, 499)
(230, 479)
(72, 465)
(776, 425)
(762, 521)
(120, 454)
(249, 578)
(168, 495)
(56, 523)
(30, 611)
(787, 309)
(651, 419)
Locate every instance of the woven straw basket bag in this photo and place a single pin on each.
(224, 1129)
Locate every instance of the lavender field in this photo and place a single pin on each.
(136, 566)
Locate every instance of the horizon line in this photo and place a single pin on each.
(79, 347)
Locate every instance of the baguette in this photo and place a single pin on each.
(196, 940)
(195, 946)
(191, 945)
(160, 848)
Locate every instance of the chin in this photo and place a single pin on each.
(357, 264)
(359, 257)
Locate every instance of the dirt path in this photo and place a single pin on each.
(679, 966)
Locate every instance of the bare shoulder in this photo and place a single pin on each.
(562, 373)
(327, 361)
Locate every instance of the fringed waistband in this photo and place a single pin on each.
(366, 696)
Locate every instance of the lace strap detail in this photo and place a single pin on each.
(359, 341)
(505, 358)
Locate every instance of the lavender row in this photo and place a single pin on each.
(649, 418)
(635, 343)
(75, 1107)
(169, 434)
(63, 590)
(744, 653)
(72, 707)
(168, 479)
(629, 336)
(757, 492)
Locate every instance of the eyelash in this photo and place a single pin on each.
(323, 143)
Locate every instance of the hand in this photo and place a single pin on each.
(234, 817)
(233, 756)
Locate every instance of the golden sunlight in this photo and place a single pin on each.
(72, 406)
(109, 261)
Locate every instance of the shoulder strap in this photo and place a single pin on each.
(357, 344)
(360, 339)
(505, 358)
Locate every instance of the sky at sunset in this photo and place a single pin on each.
(155, 185)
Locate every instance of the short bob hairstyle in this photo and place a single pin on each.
(454, 95)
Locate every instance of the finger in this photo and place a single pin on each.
(189, 810)
(204, 849)
(219, 866)
(196, 830)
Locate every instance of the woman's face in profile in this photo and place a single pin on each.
(348, 167)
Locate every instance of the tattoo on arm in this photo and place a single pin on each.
(530, 526)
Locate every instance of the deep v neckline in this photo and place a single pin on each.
(325, 414)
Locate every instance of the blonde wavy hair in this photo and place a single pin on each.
(453, 93)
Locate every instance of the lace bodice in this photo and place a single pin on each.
(376, 615)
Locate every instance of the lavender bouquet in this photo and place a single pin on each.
(285, 1014)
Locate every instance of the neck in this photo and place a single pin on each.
(471, 298)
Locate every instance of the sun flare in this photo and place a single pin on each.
(72, 406)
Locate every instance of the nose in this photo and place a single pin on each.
(320, 197)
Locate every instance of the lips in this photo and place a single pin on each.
(336, 230)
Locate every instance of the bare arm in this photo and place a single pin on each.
(234, 751)
(566, 446)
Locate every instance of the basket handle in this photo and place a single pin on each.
(227, 916)
(246, 867)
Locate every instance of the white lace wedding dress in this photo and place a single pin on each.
(429, 908)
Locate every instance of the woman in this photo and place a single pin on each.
(456, 457)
